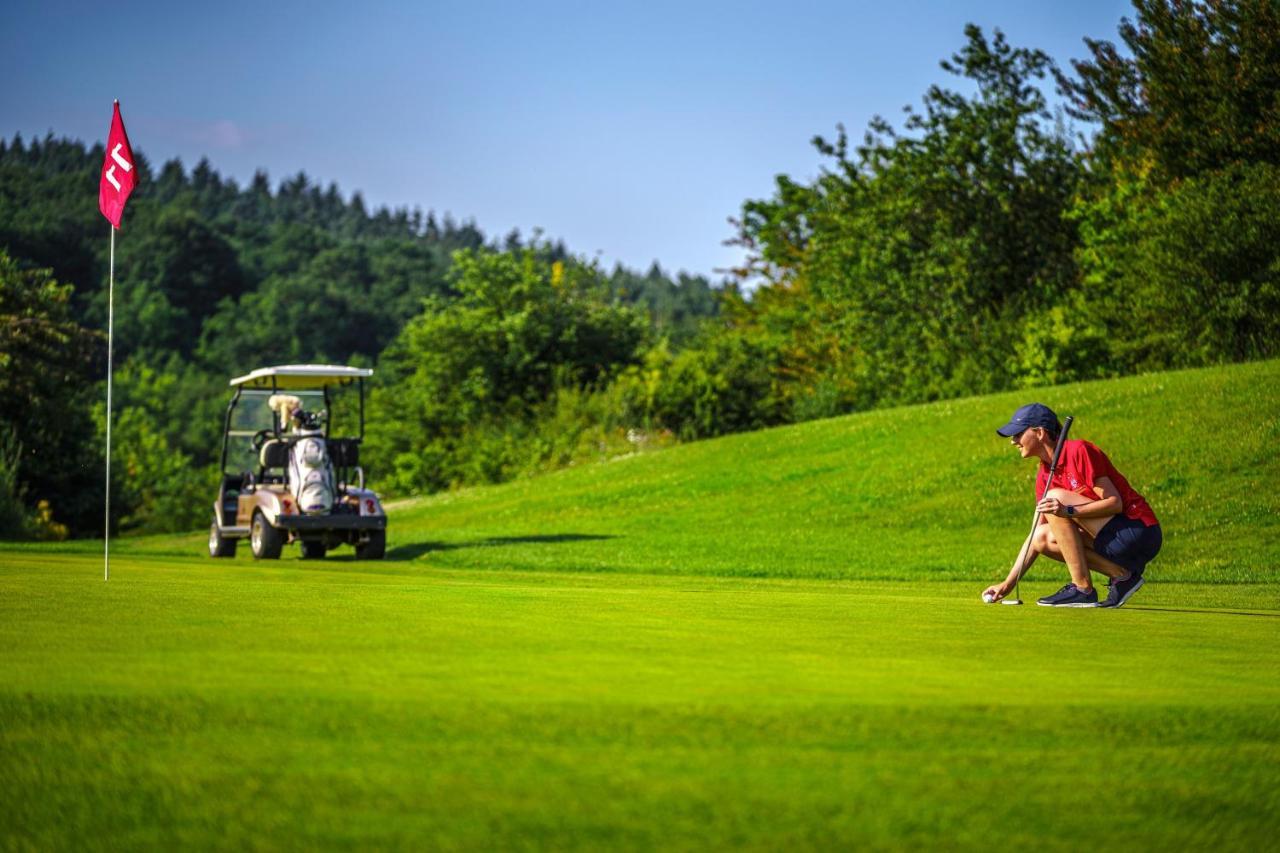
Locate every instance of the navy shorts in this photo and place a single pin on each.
(1128, 542)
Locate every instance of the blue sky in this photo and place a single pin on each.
(629, 130)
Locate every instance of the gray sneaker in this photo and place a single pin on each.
(1119, 591)
(1070, 596)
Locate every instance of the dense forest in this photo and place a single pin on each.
(988, 243)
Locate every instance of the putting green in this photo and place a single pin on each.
(232, 704)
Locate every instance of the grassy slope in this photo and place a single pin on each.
(442, 699)
(924, 492)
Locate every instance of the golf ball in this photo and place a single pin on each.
(988, 597)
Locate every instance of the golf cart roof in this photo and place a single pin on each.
(294, 376)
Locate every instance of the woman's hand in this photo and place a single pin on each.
(1050, 506)
(997, 591)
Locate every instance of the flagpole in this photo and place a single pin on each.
(111, 317)
(118, 181)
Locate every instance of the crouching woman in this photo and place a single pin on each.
(1092, 519)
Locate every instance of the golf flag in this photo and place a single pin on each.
(118, 174)
(118, 180)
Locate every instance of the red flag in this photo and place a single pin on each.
(118, 175)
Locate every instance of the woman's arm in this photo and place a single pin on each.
(1000, 590)
(1107, 503)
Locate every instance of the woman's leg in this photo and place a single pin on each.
(1069, 540)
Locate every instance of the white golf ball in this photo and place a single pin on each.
(988, 597)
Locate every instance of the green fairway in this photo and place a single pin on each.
(209, 705)
(772, 640)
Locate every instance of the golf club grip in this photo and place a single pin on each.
(1057, 451)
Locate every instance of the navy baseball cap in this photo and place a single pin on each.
(1031, 415)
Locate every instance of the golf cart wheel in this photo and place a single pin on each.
(264, 540)
(219, 545)
(312, 550)
(375, 548)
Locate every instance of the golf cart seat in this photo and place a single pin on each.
(345, 455)
(345, 452)
(274, 454)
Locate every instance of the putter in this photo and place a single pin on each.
(1035, 521)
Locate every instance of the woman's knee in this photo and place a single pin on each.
(1065, 496)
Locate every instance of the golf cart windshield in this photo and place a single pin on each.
(250, 416)
(333, 397)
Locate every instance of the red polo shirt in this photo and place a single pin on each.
(1081, 466)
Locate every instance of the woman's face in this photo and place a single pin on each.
(1029, 441)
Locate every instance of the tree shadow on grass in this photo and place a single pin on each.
(414, 550)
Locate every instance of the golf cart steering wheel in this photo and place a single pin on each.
(260, 438)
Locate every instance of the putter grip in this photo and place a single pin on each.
(1053, 466)
(1062, 439)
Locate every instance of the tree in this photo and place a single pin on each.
(1180, 251)
(1189, 275)
(1200, 89)
(170, 280)
(164, 440)
(47, 367)
(908, 264)
(334, 308)
(519, 329)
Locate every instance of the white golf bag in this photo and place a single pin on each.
(311, 473)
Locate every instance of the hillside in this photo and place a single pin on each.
(921, 492)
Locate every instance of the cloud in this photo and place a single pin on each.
(209, 135)
(225, 133)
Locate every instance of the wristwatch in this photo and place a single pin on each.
(1070, 510)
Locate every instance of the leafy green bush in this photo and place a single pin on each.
(1188, 275)
(47, 365)
(1210, 266)
(14, 514)
(462, 386)
(1063, 344)
(725, 384)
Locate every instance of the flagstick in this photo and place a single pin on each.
(111, 318)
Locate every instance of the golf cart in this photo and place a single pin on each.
(286, 475)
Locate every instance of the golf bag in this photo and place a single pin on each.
(311, 472)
